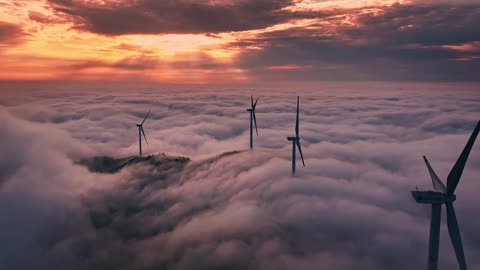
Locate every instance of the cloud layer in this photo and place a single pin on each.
(349, 208)
(163, 17)
(400, 42)
(225, 41)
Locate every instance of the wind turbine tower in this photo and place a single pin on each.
(296, 140)
(445, 195)
(253, 119)
(141, 131)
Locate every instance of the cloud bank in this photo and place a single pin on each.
(350, 208)
(163, 17)
(226, 41)
(414, 42)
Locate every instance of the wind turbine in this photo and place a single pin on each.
(253, 119)
(296, 140)
(140, 131)
(445, 195)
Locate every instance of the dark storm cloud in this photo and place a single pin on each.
(401, 42)
(228, 208)
(185, 16)
(434, 24)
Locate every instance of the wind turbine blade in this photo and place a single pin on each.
(251, 98)
(255, 121)
(456, 172)
(454, 232)
(434, 241)
(145, 118)
(255, 105)
(437, 183)
(301, 154)
(297, 131)
(143, 132)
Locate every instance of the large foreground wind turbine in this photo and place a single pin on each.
(444, 195)
(296, 140)
(141, 131)
(253, 119)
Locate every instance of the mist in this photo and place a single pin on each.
(202, 200)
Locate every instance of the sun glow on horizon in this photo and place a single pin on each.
(51, 46)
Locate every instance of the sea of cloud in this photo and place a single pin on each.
(229, 207)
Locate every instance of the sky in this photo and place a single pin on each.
(349, 208)
(240, 41)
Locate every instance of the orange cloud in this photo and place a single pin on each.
(286, 67)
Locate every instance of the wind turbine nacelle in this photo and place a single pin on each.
(432, 197)
(291, 138)
(249, 110)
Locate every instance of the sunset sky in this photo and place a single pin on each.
(240, 41)
(370, 87)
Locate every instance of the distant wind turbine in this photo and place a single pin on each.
(296, 140)
(141, 131)
(253, 119)
(444, 195)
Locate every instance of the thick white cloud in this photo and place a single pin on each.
(349, 208)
